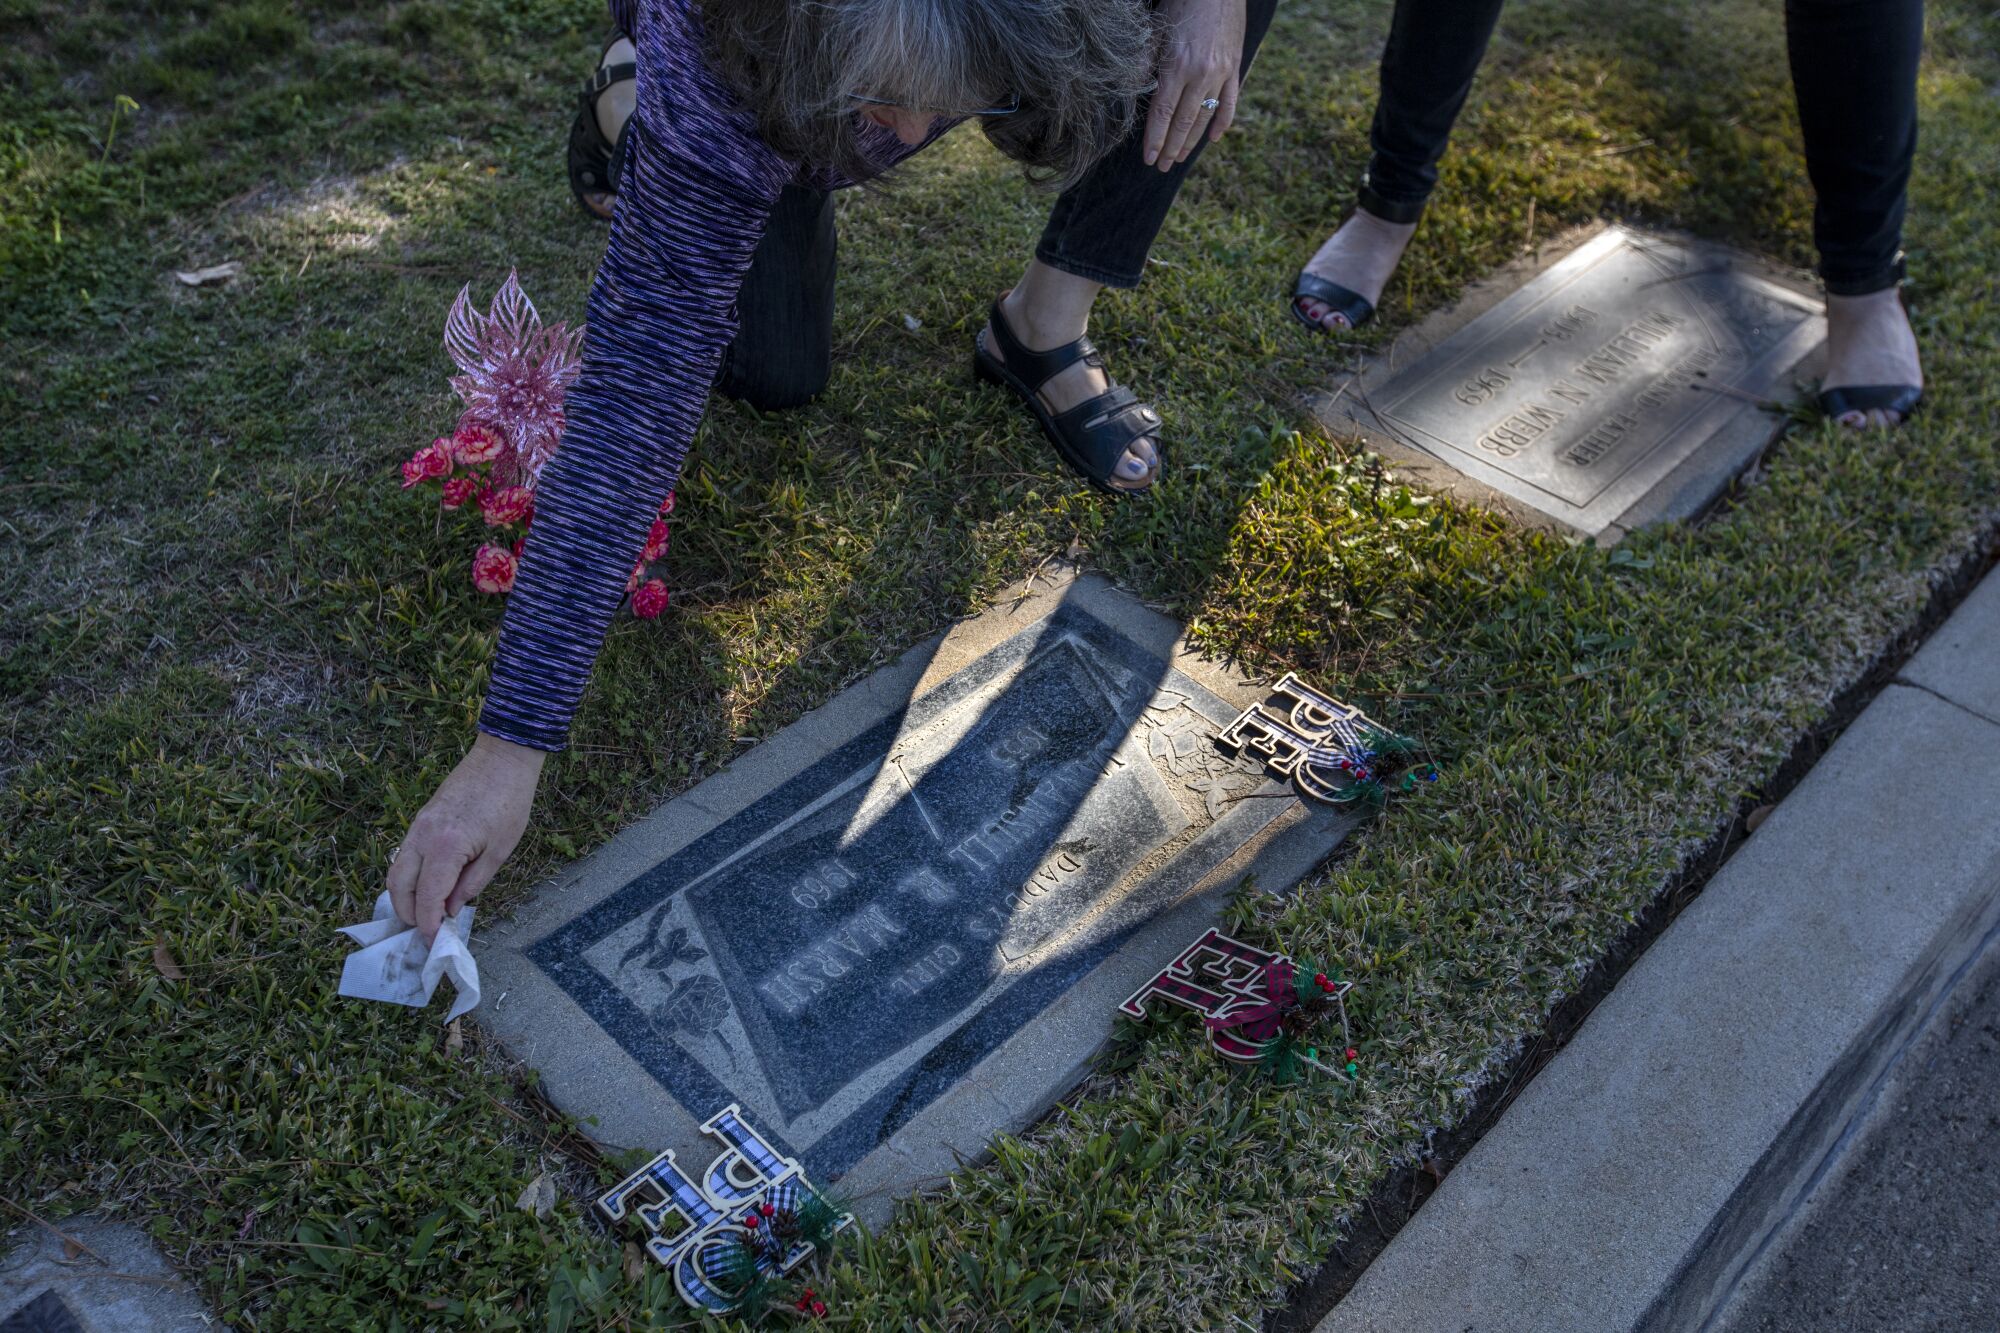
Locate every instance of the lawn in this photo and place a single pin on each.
(235, 658)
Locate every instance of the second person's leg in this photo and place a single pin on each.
(1854, 67)
(1433, 52)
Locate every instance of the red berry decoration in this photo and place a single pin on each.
(751, 1221)
(819, 1309)
(1353, 1054)
(766, 1209)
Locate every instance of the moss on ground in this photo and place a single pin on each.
(236, 659)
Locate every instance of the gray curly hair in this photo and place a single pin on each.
(1079, 68)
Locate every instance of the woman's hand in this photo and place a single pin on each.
(464, 833)
(1202, 59)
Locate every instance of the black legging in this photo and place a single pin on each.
(1854, 70)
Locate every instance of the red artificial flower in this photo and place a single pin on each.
(458, 490)
(819, 1309)
(433, 460)
(493, 569)
(667, 505)
(647, 603)
(656, 542)
(475, 442)
(507, 504)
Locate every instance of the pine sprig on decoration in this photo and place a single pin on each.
(819, 1217)
(1284, 1059)
(742, 1280)
(1306, 996)
(1390, 750)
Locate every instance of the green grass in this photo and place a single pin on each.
(235, 659)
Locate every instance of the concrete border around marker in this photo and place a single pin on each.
(1631, 1181)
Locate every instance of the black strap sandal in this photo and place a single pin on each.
(594, 162)
(1902, 399)
(1356, 308)
(1092, 436)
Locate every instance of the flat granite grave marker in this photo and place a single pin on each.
(907, 921)
(92, 1275)
(1619, 386)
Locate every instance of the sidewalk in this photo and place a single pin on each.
(1904, 1232)
(1632, 1183)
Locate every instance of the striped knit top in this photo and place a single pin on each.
(698, 184)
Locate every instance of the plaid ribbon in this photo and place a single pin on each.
(721, 1258)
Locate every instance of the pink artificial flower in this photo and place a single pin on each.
(667, 505)
(476, 442)
(632, 579)
(508, 504)
(427, 463)
(493, 569)
(458, 490)
(514, 373)
(656, 542)
(650, 600)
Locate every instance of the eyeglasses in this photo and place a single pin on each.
(1013, 105)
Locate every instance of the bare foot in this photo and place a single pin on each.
(1360, 257)
(1869, 341)
(1073, 384)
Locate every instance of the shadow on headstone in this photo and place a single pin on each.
(906, 922)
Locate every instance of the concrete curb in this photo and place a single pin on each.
(1631, 1184)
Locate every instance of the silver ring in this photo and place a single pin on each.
(1210, 103)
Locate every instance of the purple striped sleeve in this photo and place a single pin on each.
(660, 315)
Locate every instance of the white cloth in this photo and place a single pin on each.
(393, 963)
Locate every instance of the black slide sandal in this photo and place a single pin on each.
(1092, 436)
(1902, 399)
(594, 162)
(1357, 308)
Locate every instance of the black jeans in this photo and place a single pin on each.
(1854, 71)
(1101, 228)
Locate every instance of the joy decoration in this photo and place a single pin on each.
(1260, 1007)
(750, 1219)
(1333, 752)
